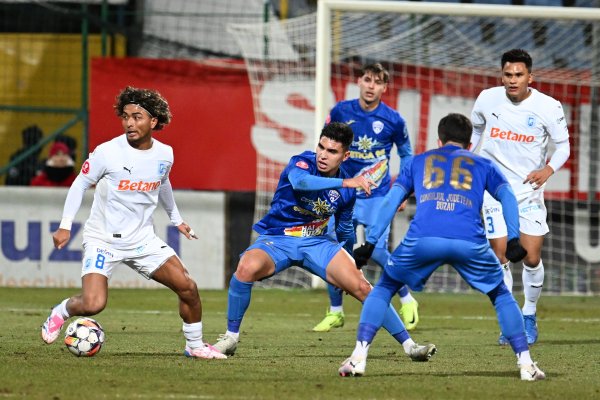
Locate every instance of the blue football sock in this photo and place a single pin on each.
(335, 295)
(237, 303)
(377, 310)
(510, 318)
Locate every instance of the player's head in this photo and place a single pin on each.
(372, 84)
(333, 147)
(516, 74)
(147, 100)
(517, 55)
(455, 128)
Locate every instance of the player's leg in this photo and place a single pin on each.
(366, 212)
(533, 281)
(479, 267)
(334, 317)
(97, 265)
(174, 275)
(513, 328)
(376, 313)
(497, 234)
(257, 262)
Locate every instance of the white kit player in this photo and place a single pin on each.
(131, 174)
(517, 123)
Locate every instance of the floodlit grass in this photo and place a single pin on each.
(279, 357)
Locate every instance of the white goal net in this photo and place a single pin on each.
(440, 56)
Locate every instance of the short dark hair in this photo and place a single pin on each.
(517, 55)
(455, 128)
(150, 100)
(340, 132)
(376, 69)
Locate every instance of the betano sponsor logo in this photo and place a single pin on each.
(141, 186)
(511, 136)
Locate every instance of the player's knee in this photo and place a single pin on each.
(189, 290)
(247, 270)
(364, 288)
(532, 262)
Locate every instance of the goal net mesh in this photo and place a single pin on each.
(438, 64)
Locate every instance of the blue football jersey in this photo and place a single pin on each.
(306, 213)
(375, 133)
(448, 184)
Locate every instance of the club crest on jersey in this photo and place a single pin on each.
(163, 168)
(377, 127)
(333, 195)
(530, 121)
(302, 164)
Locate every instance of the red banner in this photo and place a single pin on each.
(212, 117)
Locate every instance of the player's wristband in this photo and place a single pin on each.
(66, 223)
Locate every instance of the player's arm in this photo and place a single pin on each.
(72, 205)
(344, 228)
(383, 217)
(167, 201)
(478, 121)
(538, 177)
(303, 180)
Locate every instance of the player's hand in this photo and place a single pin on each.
(514, 251)
(61, 237)
(402, 206)
(362, 254)
(538, 177)
(361, 182)
(187, 231)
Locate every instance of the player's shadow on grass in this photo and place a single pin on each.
(568, 342)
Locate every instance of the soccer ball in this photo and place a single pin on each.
(84, 337)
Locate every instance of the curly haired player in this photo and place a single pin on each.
(131, 174)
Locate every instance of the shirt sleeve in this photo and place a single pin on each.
(561, 155)
(344, 227)
(510, 210)
(167, 200)
(73, 200)
(386, 212)
(303, 180)
(478, 120)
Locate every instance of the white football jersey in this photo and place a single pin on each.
(128, 182)
(516, 135)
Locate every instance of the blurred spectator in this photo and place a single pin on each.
(21, 173)
(59, 169)
(70, 142)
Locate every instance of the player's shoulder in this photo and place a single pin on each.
(540, 97)
(304, 160)
(492, 94)
(344, 105)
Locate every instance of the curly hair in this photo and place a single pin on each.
(148, 99)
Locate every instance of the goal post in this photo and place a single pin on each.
(440, 57)
(326, 8)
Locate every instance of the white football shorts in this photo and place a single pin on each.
(532, 215)
(100, 258)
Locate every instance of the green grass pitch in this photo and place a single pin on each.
(279, 357)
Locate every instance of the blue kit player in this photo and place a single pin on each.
(311, 189)
(377, 128)
(448, 184)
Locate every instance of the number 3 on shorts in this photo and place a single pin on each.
(490, 222)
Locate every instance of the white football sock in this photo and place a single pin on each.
(336, 308)
(524, 358)
(193, 334)
(406, 299)
(235, 335)
(508, 279)
(407, 345)
(361, 350)
(62, 309)
(533, 280)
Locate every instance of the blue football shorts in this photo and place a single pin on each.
(415, 259)
(310, 253)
